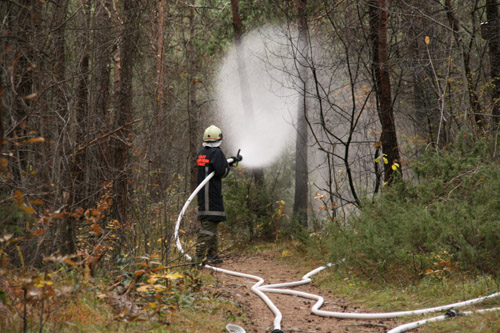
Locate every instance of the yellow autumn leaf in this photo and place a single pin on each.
(18, 197)
(36, 202)
(123, 313)
(152, 280)
(427, 40)
(27, 209)
(69, 262)
(174, 276)
(35, 140)
(159, 268)
(159, 287)
(144, 289)
(395, 166)
(285, 253)
(384, 157)
(86, 274)
(153, 305)
(96, 228)
(139, 273)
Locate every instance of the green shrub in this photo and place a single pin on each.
(447, 220)
(257, 211)
(13, 219)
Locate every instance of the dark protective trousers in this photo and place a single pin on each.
(207, 240)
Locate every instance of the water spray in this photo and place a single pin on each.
(260, 290)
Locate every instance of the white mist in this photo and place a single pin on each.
(264, 126)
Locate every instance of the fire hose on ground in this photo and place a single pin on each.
(260, 290)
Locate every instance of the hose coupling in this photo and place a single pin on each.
(452, 313)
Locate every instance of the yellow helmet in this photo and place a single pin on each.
(212, 134)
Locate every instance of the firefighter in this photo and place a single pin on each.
(210, 202)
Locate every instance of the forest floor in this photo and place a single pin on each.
(296, 311)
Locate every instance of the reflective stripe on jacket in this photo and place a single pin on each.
(210, 200)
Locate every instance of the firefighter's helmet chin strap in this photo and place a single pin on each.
(212, 144)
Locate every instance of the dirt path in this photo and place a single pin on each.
(295, 310)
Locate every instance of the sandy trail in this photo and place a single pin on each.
(295, 310)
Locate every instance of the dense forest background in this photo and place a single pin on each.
(103, 104)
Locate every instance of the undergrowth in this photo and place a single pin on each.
(344, 287)
(446, 220)
(138, 295)
(102, 287)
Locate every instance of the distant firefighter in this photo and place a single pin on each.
(210, 202)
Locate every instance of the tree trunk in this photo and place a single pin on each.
(426, 115)
(65, 241)
(22, 79)
(80, 119)
(492, 35)
(127, 47)
(3, 160)
(101, 90)
(420, 103)
(192, 101)
(378, 11)
(160, 67)
(301, 168)
(246, 94)
(471, 97)
(160, 108)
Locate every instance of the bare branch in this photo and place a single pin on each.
(79, 150)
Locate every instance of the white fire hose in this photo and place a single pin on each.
(260, 289)
(448, 315)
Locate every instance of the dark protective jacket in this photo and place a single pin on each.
(210, 201)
